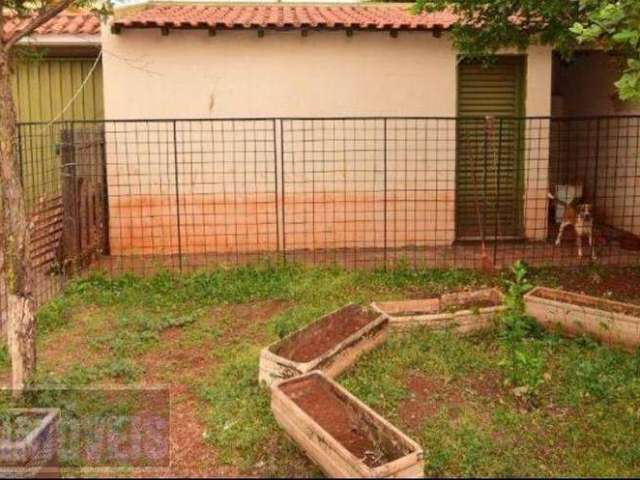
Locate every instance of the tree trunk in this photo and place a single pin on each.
(17, 268)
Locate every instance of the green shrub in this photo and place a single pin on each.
(523, 363)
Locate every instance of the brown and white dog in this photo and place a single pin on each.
(579, 215)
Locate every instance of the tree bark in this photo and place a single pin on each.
(16, 241)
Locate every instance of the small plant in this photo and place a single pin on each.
(517, 287)
(295, 318)
(524, 363)
(121, 369)
(5, 362)
(516, 323)
(283, 325)
(525, 369)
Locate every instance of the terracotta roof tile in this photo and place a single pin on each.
(67, 23)
(356, 17)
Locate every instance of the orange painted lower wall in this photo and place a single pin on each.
(148, 224)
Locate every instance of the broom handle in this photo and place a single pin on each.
(478, 213)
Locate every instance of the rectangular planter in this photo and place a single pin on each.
(331, 344)
(614, 323)
(463, 311)
(34, 454)
(339, 433)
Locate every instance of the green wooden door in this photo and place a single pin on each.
(44, 87)
(488, 170)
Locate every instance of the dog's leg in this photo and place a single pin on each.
(579, 243)
(563, 225)
(593, 248)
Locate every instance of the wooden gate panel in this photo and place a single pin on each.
(84, 195)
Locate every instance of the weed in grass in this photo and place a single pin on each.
(122, 369)
(74, 376)
(136, 333)
(5, 361)
(296, 318)
(198, 334)
(459, 448)
(506, 418)
(242, 284)
(239, 418)
(432, 281)
(285, 324)
(475, 446)
(54, 315)
(592, 372)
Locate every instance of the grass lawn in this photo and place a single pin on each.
(201, 334)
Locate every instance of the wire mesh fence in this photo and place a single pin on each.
(144, 195)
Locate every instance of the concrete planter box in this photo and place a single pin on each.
(613, 323)
(338, 432)
(463, 311)
(336, 347)
(34, 454)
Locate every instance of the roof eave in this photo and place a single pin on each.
(61, 40)
(117, 27)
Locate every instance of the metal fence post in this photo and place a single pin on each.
(71, 231)
(498, 181)
(488, 122)
(175, 161)
(104, 203)
(596, 164)
(19, 153)
(275, 181)
(385, 193)
(282, 194)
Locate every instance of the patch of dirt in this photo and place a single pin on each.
(190, 455)
(341, 420)
(71, 344)
(68, 345)
(246, 317)
(429, 395)
(487, 385)
(258, 311)
(621, 284)
(181, 367)
(323, 335)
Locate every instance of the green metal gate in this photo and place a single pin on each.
(44, 87)
(489, 153)
(50, 89)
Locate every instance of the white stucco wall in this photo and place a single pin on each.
(189, 74)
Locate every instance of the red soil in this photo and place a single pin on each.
(430, 394)
(326, 333)
(340, 419)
